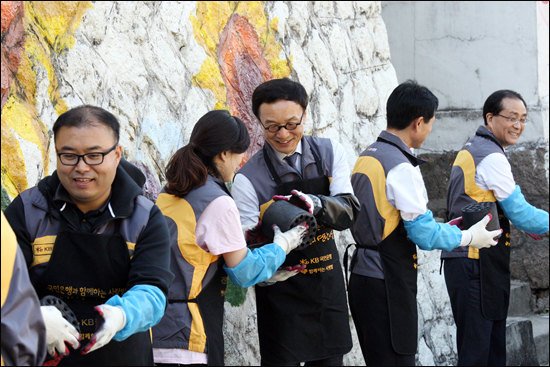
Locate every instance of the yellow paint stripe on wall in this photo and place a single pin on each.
(211, 18)
(210, 78)
(14, 174)
(49, 28)
(58, 20)
(20, 121)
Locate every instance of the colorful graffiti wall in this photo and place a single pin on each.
(160, 66)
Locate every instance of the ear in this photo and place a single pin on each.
(118, 154)
(224, 156)
(417, 123)
(490, 120)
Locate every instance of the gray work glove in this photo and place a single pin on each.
(479, 236)
(292, 238)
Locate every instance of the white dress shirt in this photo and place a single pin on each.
(495, 173)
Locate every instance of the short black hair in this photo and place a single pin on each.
(278, 89)
(86, 115)
(409, 101)
(493, 104)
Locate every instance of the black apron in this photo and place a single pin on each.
(494, 267)
(494, 273)
(210, 301)
(85, 270)
(305, 317)
(399, 263)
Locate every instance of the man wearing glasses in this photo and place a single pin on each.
(91, 239)
(302, 313)
(478, 281)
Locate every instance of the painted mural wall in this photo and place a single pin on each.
(160, 66)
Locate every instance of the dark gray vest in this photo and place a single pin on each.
(462, 189)
(377, 218)
(194, 270)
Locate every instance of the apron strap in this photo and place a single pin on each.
(375, 248)
(346, 263)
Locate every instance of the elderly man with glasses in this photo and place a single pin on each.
(478, 281)
(95, 247)
(302, 309)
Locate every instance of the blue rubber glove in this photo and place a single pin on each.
(143, 306)
(524, 216)
(258, 265)
(428, 235)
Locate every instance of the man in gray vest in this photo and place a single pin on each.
(393, 220)
(302, 316)
(478, 281)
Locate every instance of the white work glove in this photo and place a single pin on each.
(309, 203)
(58, 332)
(283, 274)
(292, 238)
(480, 237)
(114, 320)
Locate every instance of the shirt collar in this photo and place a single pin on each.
(488, 134)
(396, 140)
(282, 156)
(400, 144)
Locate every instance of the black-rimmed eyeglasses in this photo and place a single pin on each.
(91, 159)
(289, 125)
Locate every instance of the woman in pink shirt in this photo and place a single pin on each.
(207, 242)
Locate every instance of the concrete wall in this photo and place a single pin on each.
(465, 50)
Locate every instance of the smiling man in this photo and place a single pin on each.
(478, 281)
(301, 317)
(91, 239)
(393, 221)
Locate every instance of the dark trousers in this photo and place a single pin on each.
(480, 342)
(369, 308)
(332, 361)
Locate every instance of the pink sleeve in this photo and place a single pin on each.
(219, 228)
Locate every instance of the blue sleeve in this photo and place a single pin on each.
(524, 216)
(429, 235)
(258, 265)
(143, 305)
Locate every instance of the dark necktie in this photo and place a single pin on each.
(291, 160)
